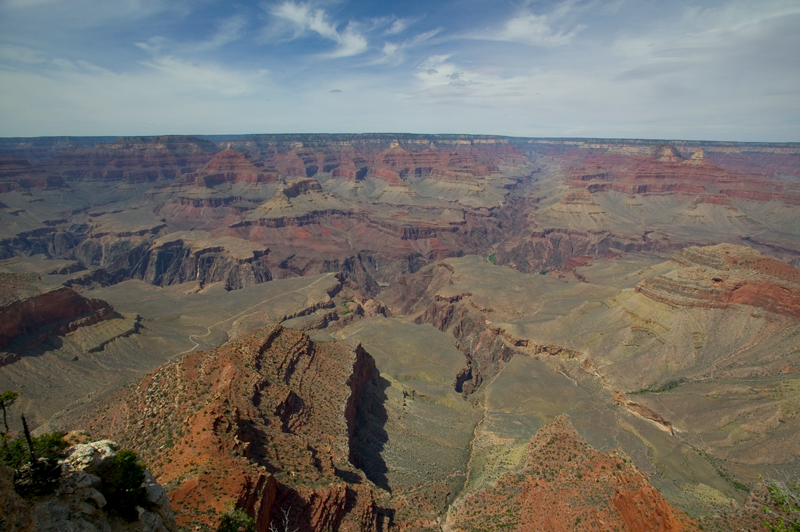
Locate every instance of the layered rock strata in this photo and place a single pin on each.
(18, 174)
(718, 276)
(133, 159)
(230, 166)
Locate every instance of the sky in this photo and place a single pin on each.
(698, 70)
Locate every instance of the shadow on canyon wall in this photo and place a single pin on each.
(370, 436)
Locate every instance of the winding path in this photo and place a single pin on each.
(208, 329)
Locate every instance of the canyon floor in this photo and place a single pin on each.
(414, 332)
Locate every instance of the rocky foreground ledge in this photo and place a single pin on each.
(78, 503)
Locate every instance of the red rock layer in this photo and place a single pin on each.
(29, 311)
(666, 171)
(231, 166)
(453, 161)
(134, 159)
(717, 276)
(19, 173)
(264, 422)
(566, 485)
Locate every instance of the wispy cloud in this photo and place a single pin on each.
(720, 69)
(537, 30)
(304, 18)
(228, 31)
(398, 26)
(394, 52)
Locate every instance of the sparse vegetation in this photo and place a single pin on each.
(236, 520)
(347, 309)
(122, 485)
(669, 385)
(7, 398)
(783, 505)
(35, 461)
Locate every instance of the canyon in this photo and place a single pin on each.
(414, 332)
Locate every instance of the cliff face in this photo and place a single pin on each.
(425, 297)
(265, 421)
(546, 249)
(565, 485)
(387, 157)
(31, 312)
(193, 256)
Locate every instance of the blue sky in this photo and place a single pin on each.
(714, 70)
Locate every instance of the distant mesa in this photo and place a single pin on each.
(697, 157)
(666, 171)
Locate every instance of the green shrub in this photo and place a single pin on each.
(236, 521)
(40, 477)
(122, 485)
(783, 505)
(49, 446)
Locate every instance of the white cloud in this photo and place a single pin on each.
(537, 30)
(21, 54)
(394, 52)
(438, 71)
(305, 18)
(398, 26)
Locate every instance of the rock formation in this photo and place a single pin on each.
(32, 310)
(265, 421)
(539, 263)
(230, 166)
(78, 502)
(133, 159)
(18, 174)
(717, 276)
(566, 485)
